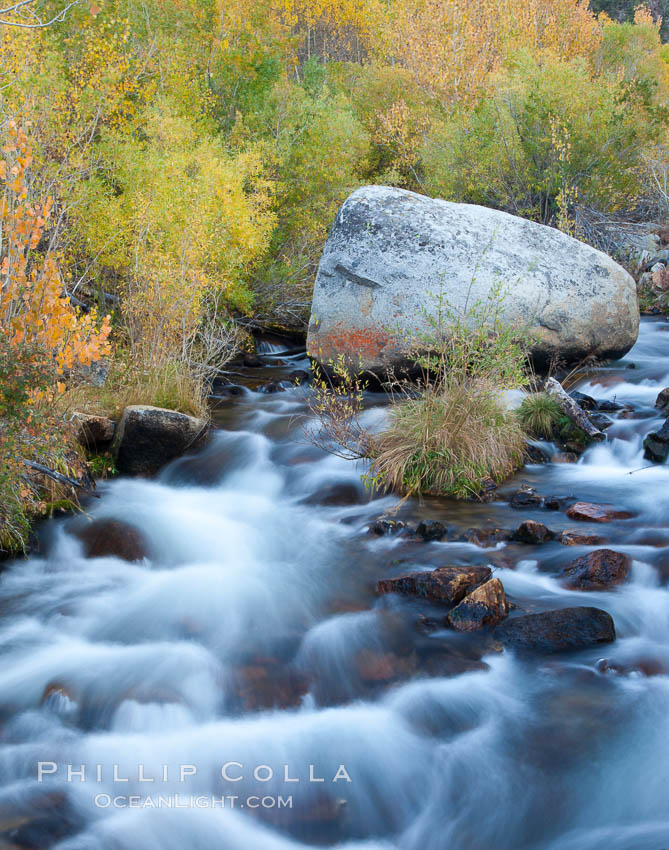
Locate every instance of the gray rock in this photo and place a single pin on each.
(656, 444)
(563, 630)
(149, 437)
(391, 254)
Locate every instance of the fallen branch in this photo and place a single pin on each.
(59, 477)
(573, 410)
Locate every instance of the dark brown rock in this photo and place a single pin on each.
(431, 529)
(562, 630)
(445, 584)
(485, 606)
(149, 437)
(662, 400)
(112, 538)
(532, 532)
(588, 512)
(526, 497)
(535, 454)
(93, 432)
(573, 538)
(597, 570)
(381, 527)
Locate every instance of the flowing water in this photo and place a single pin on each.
(251, 634)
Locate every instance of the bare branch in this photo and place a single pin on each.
(26, 10)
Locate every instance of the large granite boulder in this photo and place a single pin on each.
(392, 254)
(149, 437)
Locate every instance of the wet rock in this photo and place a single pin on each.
(431, 529)
(535, 454)
(573, 538)
(610, 406)
(299, 377)
(445, 584)
(643, 666)
(557, 503)
(374, 667)
(526, 497)
(565, 457)
(597, 570)
(427, 625)
(252, 360)
(266, 684)
(487, 493)
(662, 400)
(589, 512)
(444, 664)
(338, 495)
(601, 420)
(485, 606)
(656, 445)
(587, 402)
(486, 538)
(532, 532)
(93, 432)
(105, 538)
(386, 526)
(274, 387)
(562, 630)
(149, 437)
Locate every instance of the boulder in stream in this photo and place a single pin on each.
(445, 584)
(656, 444)
(532, 532)
(597, 570)
(485, 606)
(562, 630)
(105, 538)
(392, 255)
(149, 437)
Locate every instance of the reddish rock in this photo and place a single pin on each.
(113, 538)
(573, 538)
(485, 606)
(376, 667)
(445, 584)
(532, 532)
(565, 457)
(597, 570)
(562, 630)
(589, 512)
(260, 686)
(486, 537)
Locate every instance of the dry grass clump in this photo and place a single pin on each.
(448, 441)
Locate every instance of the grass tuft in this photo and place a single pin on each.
(448, 441)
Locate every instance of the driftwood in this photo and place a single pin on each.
(59, 477)
(573, 410)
